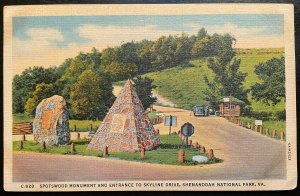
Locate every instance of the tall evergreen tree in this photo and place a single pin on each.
(143, 87)
(227, 80)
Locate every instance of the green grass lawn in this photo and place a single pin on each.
(184, 85)
(22, 118)
(152, 115)
(166, 153)
(81, 125)
(270, 124)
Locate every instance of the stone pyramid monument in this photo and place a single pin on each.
(126, 127)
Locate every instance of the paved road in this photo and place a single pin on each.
(246, 154)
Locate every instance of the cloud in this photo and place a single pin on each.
(250, 37)
(106, 36)
(49, 34)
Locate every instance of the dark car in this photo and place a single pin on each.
(199, 110)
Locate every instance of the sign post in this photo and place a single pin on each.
(258, 122)
(170, 125)
(187, 129)
(170, 121)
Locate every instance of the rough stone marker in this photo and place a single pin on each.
(51, 122)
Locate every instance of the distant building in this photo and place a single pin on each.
(230, 106)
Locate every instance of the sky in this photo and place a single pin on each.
(49, 40)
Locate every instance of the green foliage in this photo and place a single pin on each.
(271, 124)
(91, 96)
(200, 48)
(83, 125)
(228, 79)
(167, 153)
(42, 91)
(151, 115)
(143, 87)
(24, 84)
(77, 65)
(170, 51)
(22, 117)
(272, 89)
(184, 86)
(121, 71)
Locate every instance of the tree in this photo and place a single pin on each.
(143, 87)
(127, 53)
(91, 96)
(199, 48)
(227, 80)
(272, 87)
(109, 55)
(144, 56)
(202, 33)
(23, 85)
(76, 66)
(41, 92)
(121, 71)
(183, 48)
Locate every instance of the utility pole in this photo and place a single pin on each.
(230, 100)
(170, 124)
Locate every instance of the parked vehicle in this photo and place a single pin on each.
(200, 110)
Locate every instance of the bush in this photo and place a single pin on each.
(280, 115)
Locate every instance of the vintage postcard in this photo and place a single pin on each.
(149, 97)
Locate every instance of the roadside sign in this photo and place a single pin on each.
(187, 129)
(258, 122)
(170, 121)
(226, 99)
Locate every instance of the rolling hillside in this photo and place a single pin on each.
(184, 85)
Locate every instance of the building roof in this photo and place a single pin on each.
(233, 100)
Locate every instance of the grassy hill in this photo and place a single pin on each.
(184, 85)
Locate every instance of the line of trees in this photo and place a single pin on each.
(85, 81)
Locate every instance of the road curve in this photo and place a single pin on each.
(247, 156)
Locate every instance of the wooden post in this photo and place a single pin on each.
(170, 124)
(91, 128)
(202, 150)
(210, 154)
(142, 153)
(43, 146)
(73, 150)
(274, 133)
(260, 130)
(281, 135)
(24, 137)
(78, 136)
(267, 132)
(181, 157)
(75, 128)
(196, 145)
(21, 145)
(105, 151)
(190, 143)
(186, 140)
